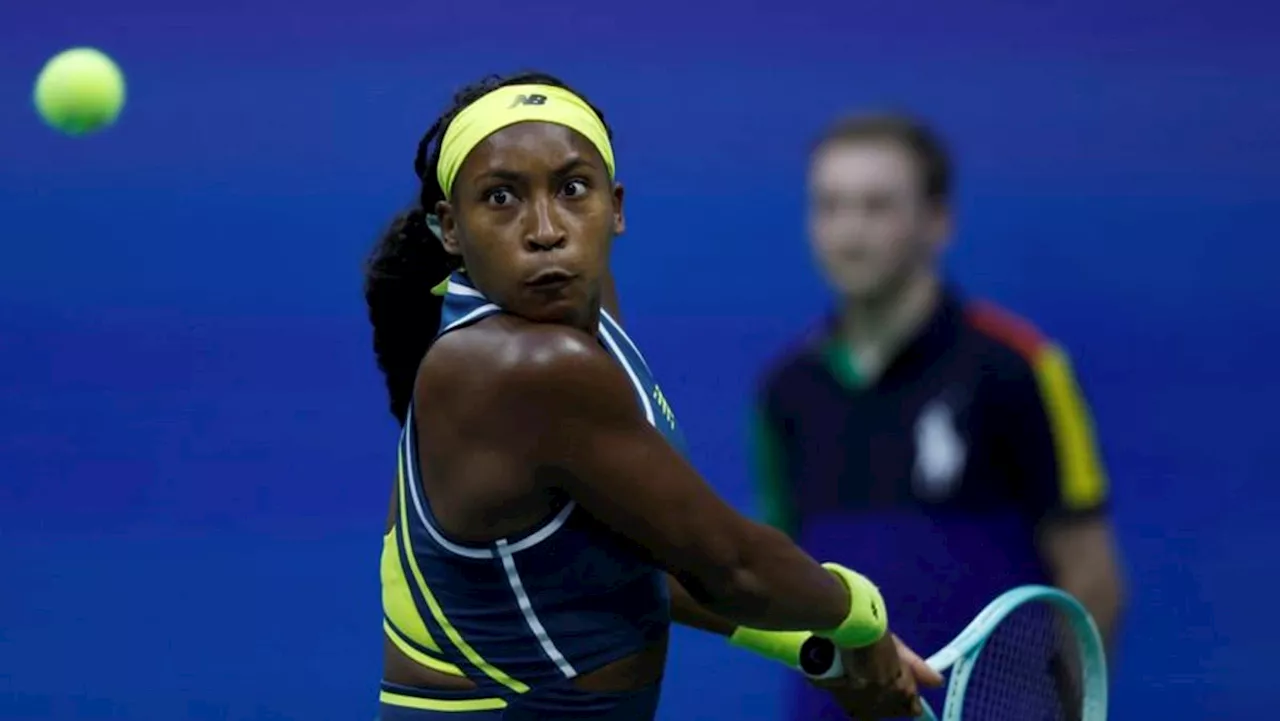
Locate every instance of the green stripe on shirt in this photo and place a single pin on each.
(775, 502)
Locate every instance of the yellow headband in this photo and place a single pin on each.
(517, 104)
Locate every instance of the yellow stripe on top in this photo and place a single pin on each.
(402, 623)
(1082, 480)
(401, 642)
(436, 611)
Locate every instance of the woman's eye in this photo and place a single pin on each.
(575, 188)
(500, 196)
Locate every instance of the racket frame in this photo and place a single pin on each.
(960, 655)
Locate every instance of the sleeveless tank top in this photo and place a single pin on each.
(561, 599)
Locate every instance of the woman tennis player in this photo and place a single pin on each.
(544, 524)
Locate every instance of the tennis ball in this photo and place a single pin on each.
(79, 91)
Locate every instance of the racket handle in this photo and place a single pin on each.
(820, 659)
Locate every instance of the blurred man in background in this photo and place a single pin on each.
(940, 445)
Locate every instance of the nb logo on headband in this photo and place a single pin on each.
(528, 100)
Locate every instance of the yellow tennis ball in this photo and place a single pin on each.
(79, 91)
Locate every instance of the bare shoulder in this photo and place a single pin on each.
(506, 350)
(508, 365)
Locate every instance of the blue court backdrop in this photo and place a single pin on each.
(194, 449)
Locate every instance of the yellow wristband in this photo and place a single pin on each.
(780, 646)
(867, 621)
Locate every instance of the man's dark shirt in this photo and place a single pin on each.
(933, 479)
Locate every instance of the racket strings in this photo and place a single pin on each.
(1029, 670)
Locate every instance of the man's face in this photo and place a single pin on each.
(870, 223)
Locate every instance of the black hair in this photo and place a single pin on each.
(925, 145)
(408, 260)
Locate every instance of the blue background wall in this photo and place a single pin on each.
(194, 451)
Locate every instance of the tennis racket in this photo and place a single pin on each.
(1033, 654)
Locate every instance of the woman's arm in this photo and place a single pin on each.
(556, 402)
